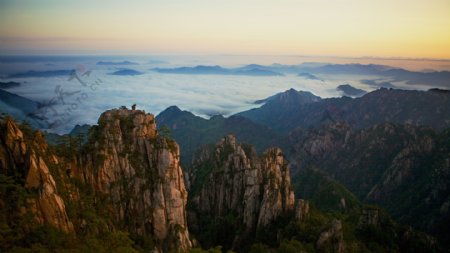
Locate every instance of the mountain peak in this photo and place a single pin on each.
(137, 122)
(172, 109)
(296, 97)
(134, 154)
(291, 96)
(229, 139)
(171, 113)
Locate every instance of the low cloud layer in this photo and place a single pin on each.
(82, 99)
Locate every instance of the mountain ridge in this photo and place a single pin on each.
(382, 105)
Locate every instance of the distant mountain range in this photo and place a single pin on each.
(292, 109)
(284, 112)
(348, 90)
(126, 72)
(46, 73)
(21, 108)
(310, 70)
(156, 61)
(79, 132)
(378, 84)
(217, 70)
(436, 78)
(115, 63)
(309, 76)
(7, 85)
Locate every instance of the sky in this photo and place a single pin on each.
(354, 28)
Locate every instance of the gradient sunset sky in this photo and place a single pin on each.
(382, 28)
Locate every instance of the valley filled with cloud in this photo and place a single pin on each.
(66, 99)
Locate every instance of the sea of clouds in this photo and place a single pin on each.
(81, 99)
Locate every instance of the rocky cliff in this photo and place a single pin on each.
(27, 159)
(401, 167)
(230, 183)
(140, 172)
(125, 178)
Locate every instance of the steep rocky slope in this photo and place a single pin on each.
(26, 160)
(140, 172)
(230, 183)
(403, 168)
(125, 178)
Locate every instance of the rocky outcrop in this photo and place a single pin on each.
(301, 209)
(231, 179)
(27, 159)
(125, 163)
(317, 144)
(383, 165)
(140, 172)
(333, 235)
(369, 216)
(402, 166)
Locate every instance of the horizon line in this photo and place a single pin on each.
(39, 53)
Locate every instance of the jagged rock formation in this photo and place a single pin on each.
(132, 171)
(140, 172)
(27, 159)
(333, 235)
(301, 209)
(230, 179)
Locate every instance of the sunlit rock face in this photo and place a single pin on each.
(28, 159)
(125, 162)
(140, 172)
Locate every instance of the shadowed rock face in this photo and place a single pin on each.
(28, 160)
(231, 179)
(404, 168)
(301, 209)
(333, 235)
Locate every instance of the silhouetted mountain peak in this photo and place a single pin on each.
(172, 109)
(126, 72)
(348, 90)
(298, 97)
(250, 70)
(204, 67)
(253, 66)
(217, 117)
(291, 96)
(437, 90)
(172, 113)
